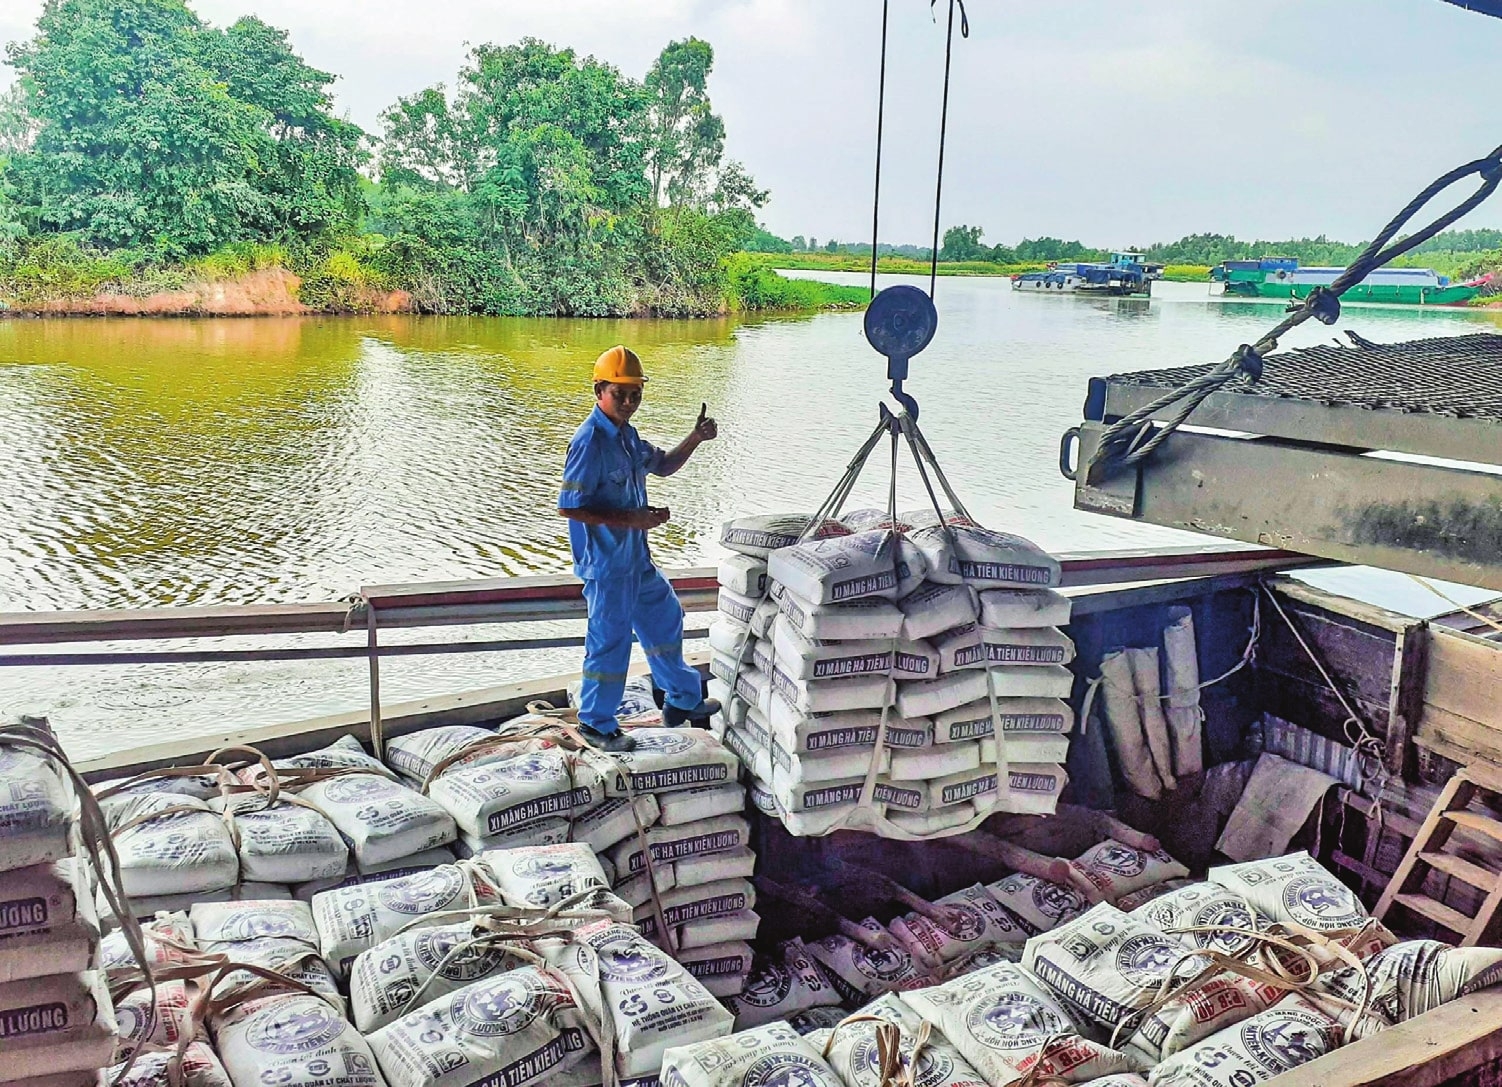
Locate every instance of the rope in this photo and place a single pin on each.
(1132, 438)
(1486, 620)
(881, 106)
(933, 268)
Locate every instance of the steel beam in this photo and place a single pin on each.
(1337, 504)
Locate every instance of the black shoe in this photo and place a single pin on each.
(673, 717)
(616, 740)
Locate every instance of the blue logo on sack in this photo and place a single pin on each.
(301, 1028)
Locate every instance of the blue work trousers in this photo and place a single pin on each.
(642, 601)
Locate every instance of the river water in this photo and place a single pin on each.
(169, 462)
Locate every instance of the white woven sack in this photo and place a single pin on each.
(974, 921)
(803, 658)
(374, 873)
(235, 922)
(984, 558)
(1181, 670)
(713, 867)
(1406, 980)
(853, 1050)
(859, 972)
(353, 919)
(665, 759)
(727, 638)
(741, 925)
(498, 795)
(518, 1028)
(771, 1056)
(1107, 967)
(791, 771)
(35, 810)
(384, 979)
(692, 805)
(1020, 717)
(868, 619)
(800, 732)
(806, 1022)
(48, 924)
(1194, 1014)
(157, 1020)
(743, 574)
(150, 906)
(1000, 1018)
(613, 821)
(1129, 903)
(291, 958)
(986, 646)
(298, 1041)
(864, 520)
(832, 695)
(938, 761)
(381, 819)
(182, 847)
(1038, 904)
(1024, 608)
(285, 842)
(1294, 889)
(1202, 906)
(721, 966)
(1115, 869)
(1287, 1035)
(345, 753)
(1033, 787)
(669, 844)
(59, 1023)
(414, 755)
(199, 1067)
(968, 685)
(541, 876)
(654, 1003)
(683, 905)
(637, 890)
(782, 984)
(537, 832)
(760, 535)
(1038, 748)
(839, 570)
(933, 608)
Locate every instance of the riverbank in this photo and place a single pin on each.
(839, 262)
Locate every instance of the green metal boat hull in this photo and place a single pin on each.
(1387, 294)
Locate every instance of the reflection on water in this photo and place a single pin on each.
(150, 462)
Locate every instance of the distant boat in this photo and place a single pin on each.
(1281, 277)
(1124, 273)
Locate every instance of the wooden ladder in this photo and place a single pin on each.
(1426, 854)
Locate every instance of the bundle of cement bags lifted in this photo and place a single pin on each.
(906, 678)
(1123, 993)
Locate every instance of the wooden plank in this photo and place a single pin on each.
(1370, 614)
(1480, 739)
(1432, 835)
(1465, 676)
(1437, 912)
(1406, 704)
(1461, 869)
(1360, 659)
(1426, 1051)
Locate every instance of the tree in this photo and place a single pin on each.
(687, 137)
(963, 243)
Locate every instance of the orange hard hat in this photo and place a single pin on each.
(619, 366)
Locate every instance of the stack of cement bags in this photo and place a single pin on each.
(55, 1013)
(907, 680)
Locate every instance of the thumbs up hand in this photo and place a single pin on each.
(704, 428)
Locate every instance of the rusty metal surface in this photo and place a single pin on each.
(1455, 376)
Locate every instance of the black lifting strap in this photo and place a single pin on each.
(1133, 438)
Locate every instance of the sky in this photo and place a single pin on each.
(1117, 124)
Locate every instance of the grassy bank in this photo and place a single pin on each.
(840, 262)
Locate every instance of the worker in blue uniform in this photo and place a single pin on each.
(604, 497)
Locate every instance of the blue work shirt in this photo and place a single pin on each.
(607, 468)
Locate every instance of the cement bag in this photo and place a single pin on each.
(374, 873)
(35, 810)
(60, 1023)
(930, 824)
(865, 520)
(669, 844)
(692, 805)
(806, 1022)
(999, 1019)
(1203, 905)
(831, 695)
(1024, 749)
(945, 693)
(414, 755)
(938, 761)
(171, 844)
(1004, 608)
(1115, 869)
(759, 536)
(231, 922)
(353, 919)
(1181, 669)
(542, 876)
(800, 732)
(1123, 719)
(836, 571)
(511, 790)
(804, 658)
(771, 1056)
(1195, 1013)
(141, 908)
(1023, 645)
(975, 921)
(1038, 904)
(144, 1021)
(744, 575)
(979, 960)
(166, 935)
(741, 925)
(718, 962)
(518, 1028)
(915, 660)
(1129, 902)
(933, 608)
(47, 920)
(1034, 789)
(653, 1003)
(983, 558)
(614, 822)
(538, 832)
(344, 753)
(853, 1052)
(859, 972)
(869, 619)
(1105, 966)
(289, 958)
(736, 608)
(1406, 980)
(684, 904)
(1020, 718)
(926, 517)
(978, 784)
(1294, 890)
(665, 759)
(790, 771)
(299, 1041)
(285, 842)
(384, 979)
(200, 1068)
(1144, 666)
(783, 984)
(1291, 1033)
(714, 867)
(637, 890)
(727, 638)
(380, 819)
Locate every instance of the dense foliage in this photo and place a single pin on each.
(140, 145)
